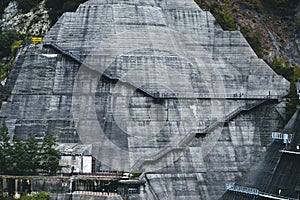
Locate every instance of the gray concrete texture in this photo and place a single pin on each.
(138, 80)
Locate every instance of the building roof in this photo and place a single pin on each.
(74, 149)
(132, 182)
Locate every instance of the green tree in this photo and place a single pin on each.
(224, 16)
(5, 197)
(252, 4)
(58, 7)
(293, 101)
(3, 5)
(25, 157)
(282, 67)
(291, 73)
(7, 40)
(49, 155)
(26, 5)
(298, 24)
(10, 41)
(19, 158)
(38, 196)
(33, 160)
(280, 7)
(6, 150)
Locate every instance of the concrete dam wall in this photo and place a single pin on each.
(155, 86)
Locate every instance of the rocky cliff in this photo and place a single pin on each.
(156, 87)
(270, 26)
(33, 23)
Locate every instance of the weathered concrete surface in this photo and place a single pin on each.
(49, 184)
(275, 174)
(191, 74)
(237, 148)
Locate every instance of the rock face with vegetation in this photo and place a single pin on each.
(270, 26)
(154, 86)
(29, 18)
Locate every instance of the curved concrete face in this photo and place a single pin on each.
(139, 80)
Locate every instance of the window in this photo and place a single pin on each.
(133, 190)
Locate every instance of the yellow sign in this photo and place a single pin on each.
(36, 40)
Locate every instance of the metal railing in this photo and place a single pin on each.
(255, 192)
(189, 137)
(111, 77)
(242, 189)
(164, 95)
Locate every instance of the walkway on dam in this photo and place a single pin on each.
(244, 193)
(165, 95)
(189, 136)
(279, 175)
(185, 141)
(231, 195)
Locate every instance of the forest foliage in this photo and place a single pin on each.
(24, 6)
(37, 196)
(225, 10)
(292, 74)
(10, 42)
(27, 157)
(58, 7)
(7, 40)
(3, 5)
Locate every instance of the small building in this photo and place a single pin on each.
(76, 159)
(282, 137)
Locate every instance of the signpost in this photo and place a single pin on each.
(36, 40)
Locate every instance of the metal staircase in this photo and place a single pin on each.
(76, 59)
(189, 137)
(156, 94)
(255, 192)
(185, 141)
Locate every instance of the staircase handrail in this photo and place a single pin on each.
(156, 94)
(189, 137)
(64, 52)
(186, 139)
